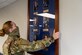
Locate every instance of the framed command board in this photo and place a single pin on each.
(43, 19)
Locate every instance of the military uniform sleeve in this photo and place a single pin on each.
(37, 45)
(24, 45)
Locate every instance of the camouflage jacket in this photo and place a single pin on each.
(20, 45)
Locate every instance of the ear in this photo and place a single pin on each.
(13, 27)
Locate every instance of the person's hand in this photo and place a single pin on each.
(55, 35)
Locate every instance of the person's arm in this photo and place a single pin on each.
(24, 45)
(37, 45)
(41, 44)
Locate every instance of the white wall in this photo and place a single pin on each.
(71, 27)
(16, 12)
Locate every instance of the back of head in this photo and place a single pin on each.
(9, 26)
(8, 23)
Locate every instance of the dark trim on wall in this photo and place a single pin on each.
(28, 18)
(57, 27)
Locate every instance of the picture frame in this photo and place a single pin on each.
(56, 21)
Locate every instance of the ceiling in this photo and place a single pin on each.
(4, 3)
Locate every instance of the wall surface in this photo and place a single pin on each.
(71, 27)
(16, 12)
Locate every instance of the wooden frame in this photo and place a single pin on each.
(57, 27)
(56, 24)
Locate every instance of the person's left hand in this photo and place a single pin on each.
(55, 35)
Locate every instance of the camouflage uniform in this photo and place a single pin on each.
(11, 38)
(14, 45)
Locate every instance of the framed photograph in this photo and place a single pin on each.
(43, 20)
